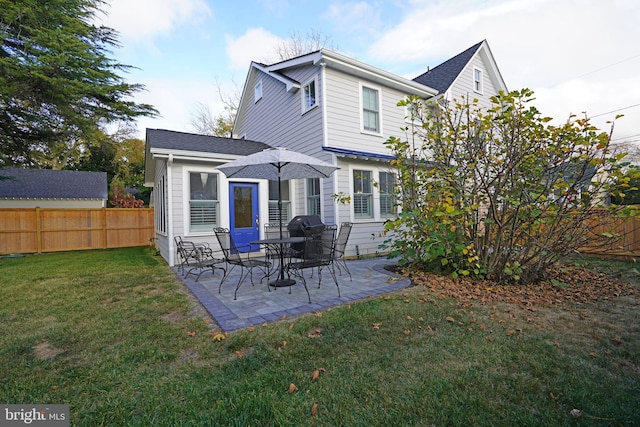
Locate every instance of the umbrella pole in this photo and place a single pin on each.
(280, 222)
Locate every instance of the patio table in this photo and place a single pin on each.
(278, 246)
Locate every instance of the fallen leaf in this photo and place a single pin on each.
(207, 321)
(450, 319)
(376, 326)
(291, 326)
(421, 319)
(218, 337)
(593, 354)
(264, 325)
(191, 334)
(314, 410)
(407, 332)
(239, 353)
(292, 388)
(409, 318)
(319, 314)
(284, 316)
(490, 338)
(284, 343)
(510, 332)
(617, 340)
(576, 412)
(315, 375)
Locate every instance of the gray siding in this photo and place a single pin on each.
(344, 114)
(277, 118)
(463, 85)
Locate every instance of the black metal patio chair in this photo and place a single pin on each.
(201, 259)
(340, 248)
(235, 258)
(317, 253)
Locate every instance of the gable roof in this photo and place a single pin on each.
(52, 184)
(160, 139)
(445, 74)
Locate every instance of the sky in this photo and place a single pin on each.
(578, 56)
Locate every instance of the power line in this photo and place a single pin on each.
(615, 111)
(608, 66)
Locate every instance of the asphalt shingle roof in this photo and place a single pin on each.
(443, 76)
(172, 140)
(52, 184)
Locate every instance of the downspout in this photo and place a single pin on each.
(325, 134)
(170, 211)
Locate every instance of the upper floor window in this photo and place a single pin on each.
(309, 99)
(257, 91)
(370, 109)
(203, 201)
(313, 196)
(477, 80)
(273, 201)
(385, 187)
(362, 194)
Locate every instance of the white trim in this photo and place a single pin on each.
(186, 183)
(257, 91)
(170, 211)
(361, 86)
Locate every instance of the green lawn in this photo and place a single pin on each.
(113, 334)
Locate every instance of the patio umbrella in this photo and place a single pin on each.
(277, 164)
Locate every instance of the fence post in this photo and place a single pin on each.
(104, 228)
(38, 231)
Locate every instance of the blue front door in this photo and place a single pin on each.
(244, 220)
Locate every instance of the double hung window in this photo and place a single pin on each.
(477, 80)
(309, 99)
(385, 187)
(273, 201)
(362, 194)
(370, 110)
(313, 196)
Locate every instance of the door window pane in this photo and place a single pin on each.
(242, 214)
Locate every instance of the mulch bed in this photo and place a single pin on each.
(563, 285)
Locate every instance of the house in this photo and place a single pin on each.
(45, 188)
(323, 104)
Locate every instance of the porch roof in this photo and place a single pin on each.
(182, 141)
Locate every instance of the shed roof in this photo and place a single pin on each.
(172, 140)
(52, 184)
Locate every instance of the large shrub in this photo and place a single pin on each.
(499, 192)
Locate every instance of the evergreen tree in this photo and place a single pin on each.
(57, 81)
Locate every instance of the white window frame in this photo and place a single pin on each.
(186, 191)
(382, 195)
(305, 105)
(478, 80)
(309, 197)
(362, 86)
(257, 91)
(369, 196)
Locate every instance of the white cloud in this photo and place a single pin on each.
(256, 44)
(176, 99)
(143, 20)
(577, 55)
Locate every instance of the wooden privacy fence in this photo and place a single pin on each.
(613, 236)
(51, 230)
